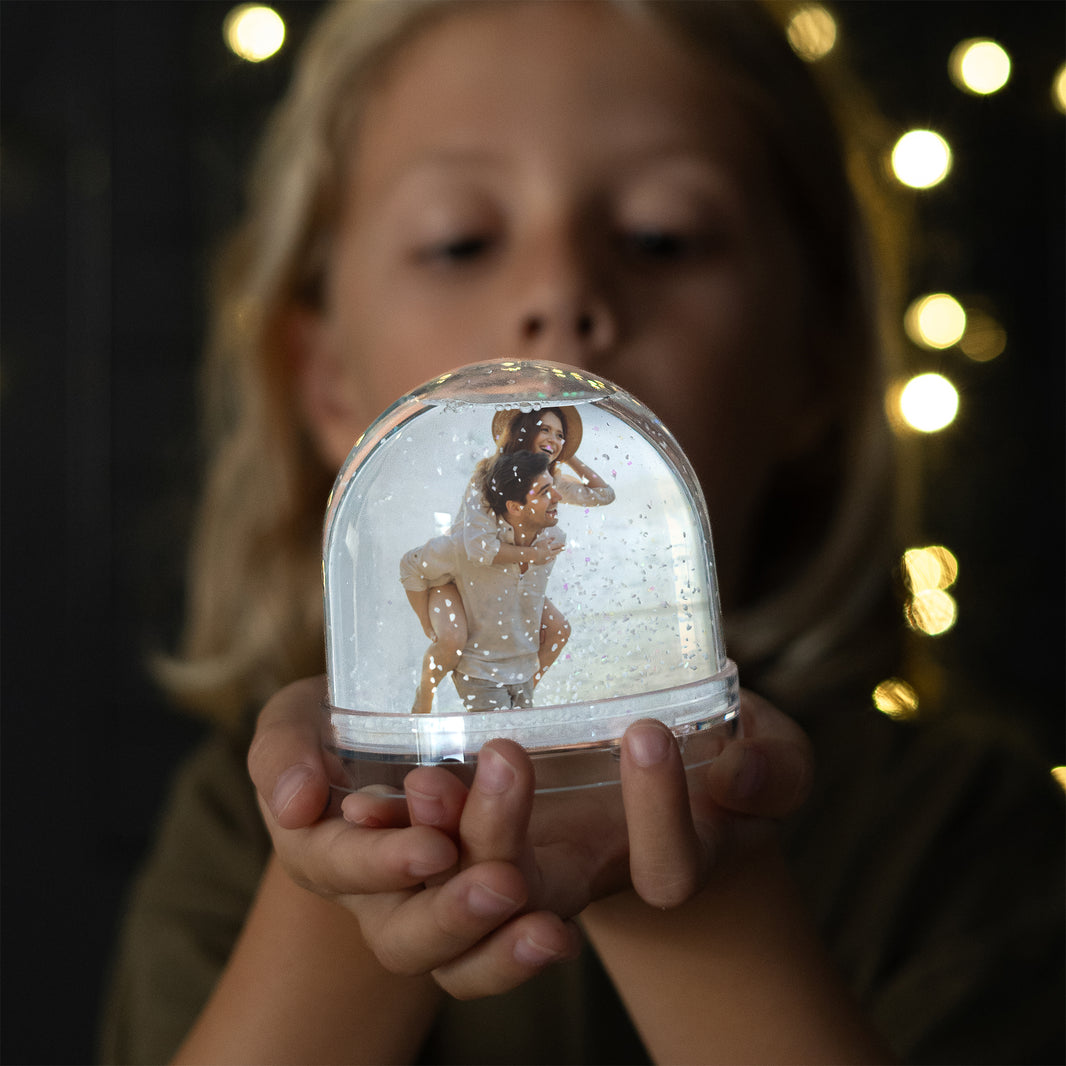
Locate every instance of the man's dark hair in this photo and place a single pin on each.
(509, 477)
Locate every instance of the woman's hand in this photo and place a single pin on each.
(543, 551)
(479, 884)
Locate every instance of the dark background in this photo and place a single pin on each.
(126, 126)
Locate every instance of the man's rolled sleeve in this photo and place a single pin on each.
(432, 563)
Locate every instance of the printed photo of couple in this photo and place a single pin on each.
(484, 557)
(480, 590)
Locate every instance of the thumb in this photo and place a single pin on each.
(285, 757)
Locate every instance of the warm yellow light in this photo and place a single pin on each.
(929, 402)
(253, 32)
(929, 568)
(931, 612)
(935, 321)
(812, 32)
(921, 159)
(1058, 89)
(896, 698)
(1059, 773)
(979, 66)
(984, 338)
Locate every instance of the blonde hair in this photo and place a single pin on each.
(254, 615)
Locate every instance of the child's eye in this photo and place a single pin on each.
(654, 246)
(660, 245)
(458, 249)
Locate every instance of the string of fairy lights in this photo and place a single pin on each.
(925, 403)
(928, 402)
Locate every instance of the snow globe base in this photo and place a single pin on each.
(571, 747)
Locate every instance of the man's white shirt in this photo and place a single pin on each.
(503, 606)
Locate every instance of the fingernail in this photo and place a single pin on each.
(648, 745)
(367, 821)
(425, 809)
(748, 780)
(287, 787)
(530, 953)
(494, 773)
(483, 902)
(422, 869)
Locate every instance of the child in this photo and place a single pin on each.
(556, 432)
(655, 191)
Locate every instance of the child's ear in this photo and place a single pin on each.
(321, 383)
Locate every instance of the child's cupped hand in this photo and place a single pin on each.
(480, 885)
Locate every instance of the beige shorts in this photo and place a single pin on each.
(483, 694)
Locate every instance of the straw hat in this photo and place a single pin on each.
(501, 420)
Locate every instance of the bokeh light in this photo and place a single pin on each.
(1058, 89)
(896, 698)
(931, 612)
(979, 66)
(812, 32)
(934, 567)
(1059, 773)
(921, 159)
(935, 321)
(929, 402)
(984, 339)
(928, 573)
(254, 32)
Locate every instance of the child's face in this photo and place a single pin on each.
(557, 181)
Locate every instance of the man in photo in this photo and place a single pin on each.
(498, 665)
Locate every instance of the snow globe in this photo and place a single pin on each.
(519, 549)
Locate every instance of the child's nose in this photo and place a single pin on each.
(562, 309)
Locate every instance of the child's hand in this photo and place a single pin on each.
(385, 856)
(479, 886)
(676, 835)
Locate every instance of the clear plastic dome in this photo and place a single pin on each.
(633, 587)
